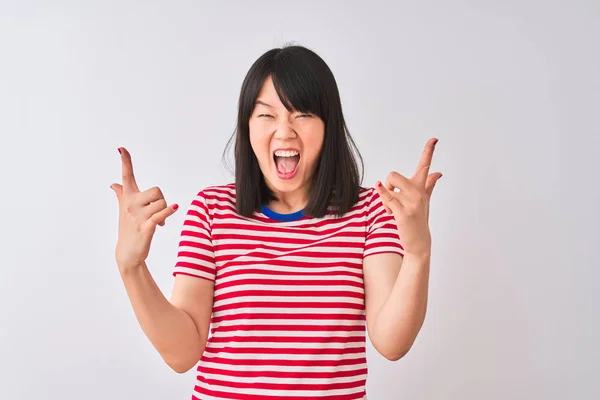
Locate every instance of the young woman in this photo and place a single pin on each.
(291, 264)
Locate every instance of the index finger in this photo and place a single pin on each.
(129, 183)
(422, 171)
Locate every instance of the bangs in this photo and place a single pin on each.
(297, 85)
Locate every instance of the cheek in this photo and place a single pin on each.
(313, 143)
(260, 144)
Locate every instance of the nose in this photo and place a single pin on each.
(285, 131)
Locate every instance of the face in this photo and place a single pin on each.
(286, 144)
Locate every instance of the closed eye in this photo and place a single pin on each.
(265, 116)
(304, 116)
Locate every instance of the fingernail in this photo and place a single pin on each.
(119, 150)
(378, 184)
(175, 207)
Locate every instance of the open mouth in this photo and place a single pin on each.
(286, 162)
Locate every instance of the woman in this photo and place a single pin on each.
(290, 264)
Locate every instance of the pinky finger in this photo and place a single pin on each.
(160, 217)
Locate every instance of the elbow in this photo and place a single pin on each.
(180, 369)
(393, 347)
(180, 366)
(396, 355)
(392, 353)
(186, 357)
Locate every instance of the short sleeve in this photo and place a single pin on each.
(382, 232)
(195, 256)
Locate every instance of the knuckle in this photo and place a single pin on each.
(148, 225)
(156, 191)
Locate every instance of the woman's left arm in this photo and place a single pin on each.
(395, 301)
(396, 287)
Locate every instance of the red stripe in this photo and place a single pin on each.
(285, 363)
(292, 328)
(283, 373)
(309, 294)
(287, 339)
(286, 282)
(252, 246)
(282, 350)
(289, 304)
(289, 316)
(299, 253)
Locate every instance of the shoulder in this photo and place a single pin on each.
(217, 193)
(366, 197)
(215, 197)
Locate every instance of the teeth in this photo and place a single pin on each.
(282, 153)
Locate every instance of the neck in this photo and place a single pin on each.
(289, 202)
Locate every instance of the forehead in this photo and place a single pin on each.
(268, 93)
(288, 94)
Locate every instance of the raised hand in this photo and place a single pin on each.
(139, 214)
(410, 204)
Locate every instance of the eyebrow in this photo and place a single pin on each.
(263, 103)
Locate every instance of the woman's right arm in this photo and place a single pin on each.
(178, 329)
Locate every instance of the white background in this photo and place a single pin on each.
(511, 89)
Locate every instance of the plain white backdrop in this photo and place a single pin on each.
(511, 89)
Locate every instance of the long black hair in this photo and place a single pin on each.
(304, 83)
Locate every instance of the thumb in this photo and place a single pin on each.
(431, 181)
(118, 189)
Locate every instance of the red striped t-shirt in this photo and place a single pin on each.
(288, 319)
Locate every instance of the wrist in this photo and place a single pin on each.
(128, 270)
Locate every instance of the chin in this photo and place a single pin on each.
(286, 185)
